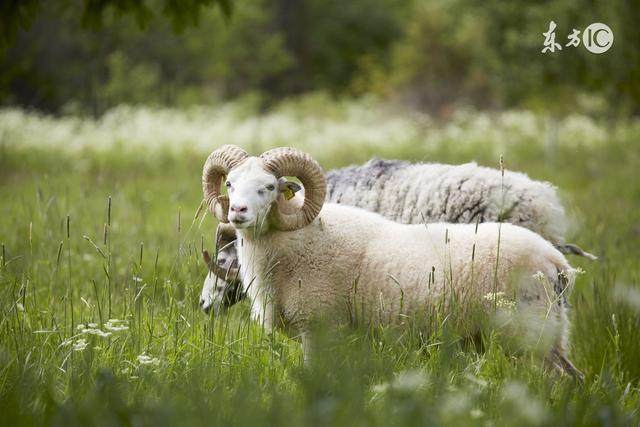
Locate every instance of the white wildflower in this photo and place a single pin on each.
(145, 359)
(115, 325)
(96, 331)
(493, 295)
(19, 306)
(500, 300)
(80, 345)
(361, 123)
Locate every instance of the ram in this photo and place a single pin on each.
(415, 193)
(300, 258)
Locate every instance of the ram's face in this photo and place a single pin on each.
(252, 190)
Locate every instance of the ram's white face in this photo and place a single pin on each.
(251, 190)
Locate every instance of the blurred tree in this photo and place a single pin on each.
(15, 14)
(433, 54)
(488, 53)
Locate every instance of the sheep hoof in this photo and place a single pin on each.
(563, 365)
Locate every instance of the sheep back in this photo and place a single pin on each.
(430, 192)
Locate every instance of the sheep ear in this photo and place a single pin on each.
(206, 257)
(225, 234)
(288, 188)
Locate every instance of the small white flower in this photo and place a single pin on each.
(115, 325)
(137, 279)
(96, 331)
(80, 326)
(19, 306)
(493, 296)
(145, 359)
(80, 345)
(501, 301)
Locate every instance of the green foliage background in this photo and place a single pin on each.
(435, 55)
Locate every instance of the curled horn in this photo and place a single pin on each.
(288, 161)
(225, 235)
(228, 275)
(215, 169)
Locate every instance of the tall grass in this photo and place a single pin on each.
(101, 272)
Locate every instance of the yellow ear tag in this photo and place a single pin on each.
(288, 194)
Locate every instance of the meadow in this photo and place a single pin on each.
(100, 274)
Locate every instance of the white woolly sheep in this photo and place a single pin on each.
(416, 193)
(300, 260)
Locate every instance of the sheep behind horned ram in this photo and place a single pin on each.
(416, 193)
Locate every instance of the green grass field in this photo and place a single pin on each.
(70, 257)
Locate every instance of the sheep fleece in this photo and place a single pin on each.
(293, 278)
(430, 192)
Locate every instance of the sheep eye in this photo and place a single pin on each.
(228, 184)
(271, 187)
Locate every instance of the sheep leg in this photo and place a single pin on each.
(571, 249)
(562, 364)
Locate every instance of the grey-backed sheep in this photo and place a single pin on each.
(414, 193)
(300, 258)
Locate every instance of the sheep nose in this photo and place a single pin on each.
(238, 208)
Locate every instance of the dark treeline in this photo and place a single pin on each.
(432, 55)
